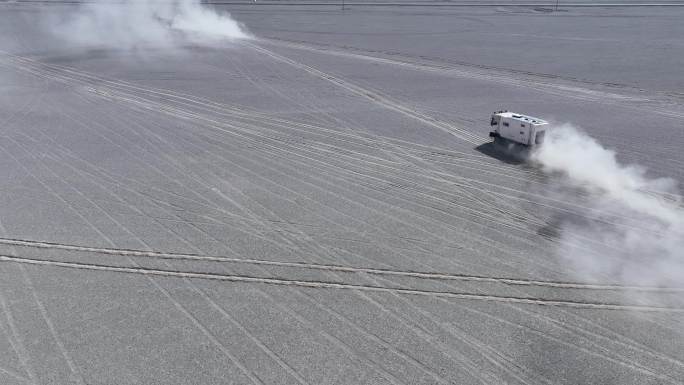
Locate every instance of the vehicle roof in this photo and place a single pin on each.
(523, 118)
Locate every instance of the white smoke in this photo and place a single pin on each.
(636, 230)
(143, 23)
(200, 22)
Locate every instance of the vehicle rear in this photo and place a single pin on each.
(518, 128)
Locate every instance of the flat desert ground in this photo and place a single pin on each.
(321, 203)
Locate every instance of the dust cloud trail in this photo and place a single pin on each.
(134, 24)
(641, 240)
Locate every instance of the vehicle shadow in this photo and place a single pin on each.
(507, 153)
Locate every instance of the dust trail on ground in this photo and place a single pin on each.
(648, 245)
(133, 24)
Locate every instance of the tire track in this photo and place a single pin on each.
(470, 366)
(219, 128)
(257, 220)
(76, 374)
(260, 118)
(341, 344)
(585, 350)
(338, 268)
(490, 353)
(17, 342)
(511, 369)
(374, 97)
(179, 306)
(365, 139)
(341, 286)
(569, 91)
(221, 346)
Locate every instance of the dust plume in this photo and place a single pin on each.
(134, 24)
(634, 227)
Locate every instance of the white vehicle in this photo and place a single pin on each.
(518, 128)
